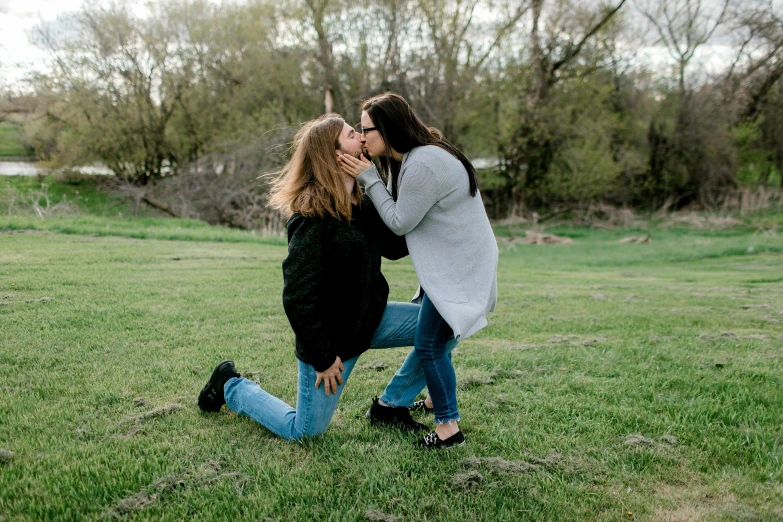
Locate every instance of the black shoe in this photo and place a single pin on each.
(398, 417)
(420, 406)
(432, 441)
(211, 397)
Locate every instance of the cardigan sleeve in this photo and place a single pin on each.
(303, 273)
(418, 193)
(392, 246)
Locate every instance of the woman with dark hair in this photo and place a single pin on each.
(333, 291)
(432, 199)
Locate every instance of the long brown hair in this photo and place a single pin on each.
(402, 131)
(311, 183)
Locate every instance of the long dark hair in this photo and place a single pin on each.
(402, 131)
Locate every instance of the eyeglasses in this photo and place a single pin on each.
(365, 130)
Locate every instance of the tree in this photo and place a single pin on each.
(143, 94)
(557, 38)
(682, 27)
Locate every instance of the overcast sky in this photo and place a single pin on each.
(17, 17)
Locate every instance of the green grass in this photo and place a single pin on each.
(591, 343)
(82, 191)
(11, 141)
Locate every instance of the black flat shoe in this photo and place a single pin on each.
(432, 441)
(211, 397)
(399, 417)
(420, 406)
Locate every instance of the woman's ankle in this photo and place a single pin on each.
(446, 429)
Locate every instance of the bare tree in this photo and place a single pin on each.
(683, 26)
(758, 65)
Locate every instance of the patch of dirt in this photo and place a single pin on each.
(669, 439)
(6, 456)
(640, 441)
(499, 467)
(467, 481)
(575, 340)
(476, 379)
(522, 346)
(703, 337)
(539, 238)
(16, 232)
(725, 336)
(701, 222)
(535, 238)
(635, 240)
(599, 297)
(756, 307)
(208, 473)
(136, 423)
(252, 375)
(379, 516)
(695, 503)
(377, 365)
(141, 402)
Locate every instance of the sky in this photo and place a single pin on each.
(18, 56)
(17, 18)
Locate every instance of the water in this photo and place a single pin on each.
(28, 168)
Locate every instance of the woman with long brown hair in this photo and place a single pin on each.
(433, 201)
(333, 293)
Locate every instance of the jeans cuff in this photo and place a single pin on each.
(444, 421)
(387, 401)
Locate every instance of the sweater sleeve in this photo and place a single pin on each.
(418, 192)
(303, 273)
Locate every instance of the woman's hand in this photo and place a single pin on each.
(353, 166)
(331, 376)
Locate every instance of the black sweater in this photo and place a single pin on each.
(333, 291)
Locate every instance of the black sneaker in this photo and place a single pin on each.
(432, 441)
(211, 397)
(398, 417)
(420, 406)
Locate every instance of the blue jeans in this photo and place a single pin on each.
(314, 409)
(433, 344)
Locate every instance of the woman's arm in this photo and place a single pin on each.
(417, 193)
(303, 273)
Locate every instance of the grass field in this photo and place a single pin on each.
(614, 382)
(11, 141)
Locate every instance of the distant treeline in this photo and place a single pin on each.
(550, 97)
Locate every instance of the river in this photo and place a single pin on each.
(29, 168)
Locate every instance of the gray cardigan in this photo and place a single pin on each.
(449, 237)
